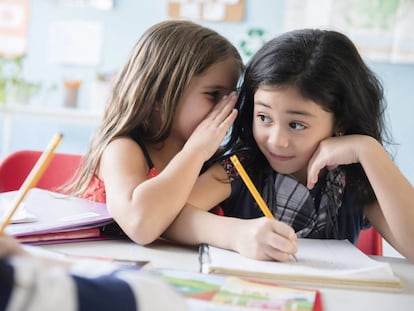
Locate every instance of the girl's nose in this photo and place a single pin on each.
(278, 137)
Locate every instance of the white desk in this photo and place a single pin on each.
(166, 255)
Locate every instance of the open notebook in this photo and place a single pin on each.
(327, 262)
(50, 217)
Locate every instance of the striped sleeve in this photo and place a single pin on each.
(26, 284)
(6, 280)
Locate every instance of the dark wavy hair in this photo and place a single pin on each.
(325, 67)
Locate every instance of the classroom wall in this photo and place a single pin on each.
(122, 27)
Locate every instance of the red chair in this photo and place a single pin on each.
(370, 242)
(17, 165)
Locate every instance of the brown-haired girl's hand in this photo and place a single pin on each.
(266, 239)
(210, 133)
(9, 246)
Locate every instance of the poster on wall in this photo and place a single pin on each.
(75, 42)
(14, 15)
(381, 30)
(207, 10)
(93, 4)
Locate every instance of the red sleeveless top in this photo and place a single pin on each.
(96, 189)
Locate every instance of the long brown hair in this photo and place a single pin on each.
(158, 70)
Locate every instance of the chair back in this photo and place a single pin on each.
(370, 242)
(16, 167)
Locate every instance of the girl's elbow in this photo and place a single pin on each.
(143, 232)
(139, 224)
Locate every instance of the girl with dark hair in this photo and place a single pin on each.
(310, 133)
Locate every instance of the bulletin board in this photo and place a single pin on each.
(14, 15)
(207, 10)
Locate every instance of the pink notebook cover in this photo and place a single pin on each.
(54, 212)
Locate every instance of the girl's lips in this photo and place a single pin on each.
(278, 157)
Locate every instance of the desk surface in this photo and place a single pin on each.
(167, 255)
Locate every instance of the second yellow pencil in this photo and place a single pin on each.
(32, 179)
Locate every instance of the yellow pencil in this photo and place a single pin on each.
(253, 190)
(32, 179)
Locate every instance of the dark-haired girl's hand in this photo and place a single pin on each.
(334, 151)
(266, 239)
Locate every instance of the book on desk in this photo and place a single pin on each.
(221, 292)
(49, 217)
(335, 263)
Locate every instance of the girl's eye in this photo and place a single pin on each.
(297, 126)
(264, 118)
(214, 95)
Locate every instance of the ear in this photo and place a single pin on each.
(339, 131)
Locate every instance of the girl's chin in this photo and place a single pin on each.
(282, 170)
(286, 171)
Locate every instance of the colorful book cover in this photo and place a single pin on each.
(220, 292)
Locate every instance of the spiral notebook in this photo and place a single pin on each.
(328, 262)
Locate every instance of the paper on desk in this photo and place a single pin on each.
(319, 260)
(332, 258)
(20, 216)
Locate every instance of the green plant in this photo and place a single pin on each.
(2, 92)
(3, 81)
(13, 86)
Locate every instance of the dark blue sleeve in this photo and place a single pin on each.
(241, 203)
(104, 293)
(6, 283)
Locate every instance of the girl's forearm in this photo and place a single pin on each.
(194, 226)
(160, 199)
(393, 191)
(261, 238)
